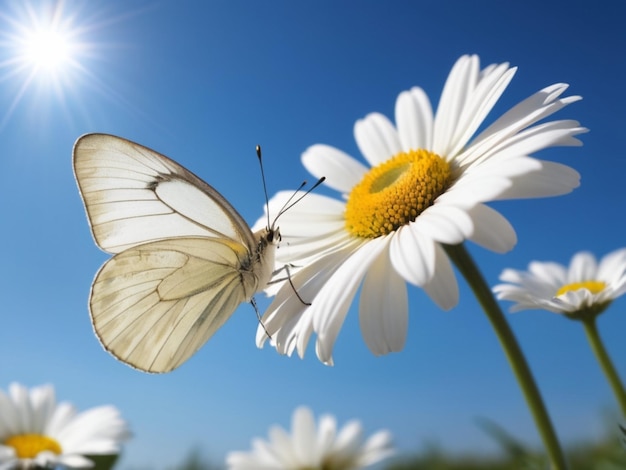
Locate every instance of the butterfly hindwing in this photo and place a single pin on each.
(155, 305)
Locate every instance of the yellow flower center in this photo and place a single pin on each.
(27, 446)
(595, 287)
(395, 192)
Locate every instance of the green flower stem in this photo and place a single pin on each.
(464, 262)
(605, 362)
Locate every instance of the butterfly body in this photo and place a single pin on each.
(184, 259)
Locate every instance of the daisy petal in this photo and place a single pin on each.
(376, 138)
(314, 215)
(445, 224)
(479, 103)
(383, 308)
(331, 305)
(442, 287)
(304, 432)
(412, 255)
(342, 171)
(414, 118)
(613, 266)
(553, 179)
(582, 267)
(492, 230)
(311, 448)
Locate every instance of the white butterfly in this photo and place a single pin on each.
(184, 258)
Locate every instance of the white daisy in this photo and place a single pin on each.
(427, 185)
(584, 289)
(308, 448)
(38, 432)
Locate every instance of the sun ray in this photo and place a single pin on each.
(43, 46)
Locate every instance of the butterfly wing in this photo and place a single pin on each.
(184, 258)
(134, 195)
(155, 305)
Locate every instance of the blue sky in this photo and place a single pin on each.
(204, 82)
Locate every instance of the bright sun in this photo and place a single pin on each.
(41, 47)
(47, 50)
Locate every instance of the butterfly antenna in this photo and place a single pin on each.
(267, 202)
(291, 202)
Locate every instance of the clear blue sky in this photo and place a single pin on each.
(204, 82)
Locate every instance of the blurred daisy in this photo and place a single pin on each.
(583, 290)
(38, 432)
(311, 448)
(426, 184)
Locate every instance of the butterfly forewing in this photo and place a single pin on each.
(134, 195)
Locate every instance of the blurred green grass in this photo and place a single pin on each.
(607, 453)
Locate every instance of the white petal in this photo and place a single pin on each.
(333, 301)
(467, 98)
(376, 448)
(63, 414)
(414, 118)
(281, 446)
(553, 179)
(23, 416)
(383, 308)
(348, 442)
(377, 139)
(99, 430)
(476, 187)
(304, 435)
(412, 254)
(612, 266)
(443, 288)
(521, 116)
(460, 81)
(326, 434)
(9, 423)
(314, 215)
(342, 171)
(445, 223)
(582, 268)
(74, 461)
(553, 274)
(549, 134)
(492, 230)
(287, 319)
(300, 251)
(478, 104)
(44, 402)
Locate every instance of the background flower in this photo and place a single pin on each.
(35, 430)
(581, 292)
(427, 185)
(313, 448)
(585, 287)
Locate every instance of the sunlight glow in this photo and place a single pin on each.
(42, 48)
(47, 49)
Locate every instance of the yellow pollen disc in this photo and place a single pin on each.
(595, 287)
(395, 192)
(27, 446)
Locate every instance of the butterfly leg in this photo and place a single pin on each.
(256, 310)
(288, 278)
